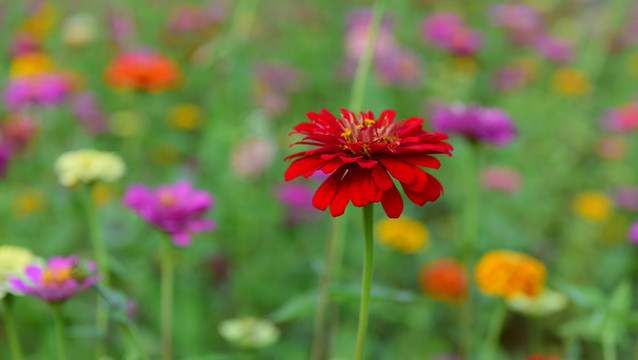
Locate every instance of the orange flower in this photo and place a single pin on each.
(142, 70)
(444, 279)
(508, 273)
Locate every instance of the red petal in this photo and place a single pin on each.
(420, 160)
(431, 192)
(381, 177)
(392, 202)
(302, 166)
(420, 182)
(327, 190)
(398, 169)
(341, 198)
(367, 163)
(386, 117)
(331, 165)
(357, 193)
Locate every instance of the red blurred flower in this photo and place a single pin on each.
(360, 151)
(444, 279)
(142, 70)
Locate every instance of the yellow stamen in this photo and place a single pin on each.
(55, 276)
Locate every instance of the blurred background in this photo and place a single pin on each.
(240, 75)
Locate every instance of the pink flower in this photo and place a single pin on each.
(61, 279)
(552, 48)
(633, 233)
(359, 22)
(622, 118)
(502, 179)
(176, 208)
(403, 68)
(521, 21)
(477, 123)
(447, 30)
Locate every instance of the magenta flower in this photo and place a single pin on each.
(477, 123)
(23, 43)
(5, 158)
(37, 89)
(552, 48)
(175, 208)
(633, 233)
(447, 30)
(521, 21)
(61, 279)
(297, 198)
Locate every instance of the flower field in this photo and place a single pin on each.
(409, 179)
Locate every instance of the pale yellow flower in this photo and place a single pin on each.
(548, 302)
(125, 123)
(79, 29)
(13, 260)
(404, 234)
(249, 332)
(87, 166)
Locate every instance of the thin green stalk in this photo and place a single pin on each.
(333, 254)
(363, 68)
(609, 345)
(494, 331)
(10, 325)
(102, 260)
(470, 231)
(367, 279)
(59, 331)
(166, 315)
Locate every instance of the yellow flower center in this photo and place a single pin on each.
(167, 199)
(56, 276)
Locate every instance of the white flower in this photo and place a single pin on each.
(249, 332)
(86, 166)
(13, 260)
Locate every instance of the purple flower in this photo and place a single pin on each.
(522, 21)
(510, 78)
(297, 198)
(85, 106)
(403, 68)
(274, 83)
(482, 124)
(552, 48)
(622, 118)
(447, 30)
(120, 26)
(37, 89)
(626, 197)
(175, 208)
(60, 279)
(633, 233)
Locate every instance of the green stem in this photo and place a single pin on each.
(333, 254)
(609, 345)
(322, 296)
(363, 68)
(168, 274)
(470, 231)
(102, 260)
(12, 333)
(494, 331)
(127, 329)
(59, 331)
(367, 279)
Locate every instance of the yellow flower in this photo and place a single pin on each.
(404, 234)
(31, 63)
(186, 117)
(28, 201)
(571, 82)
(86, 166)
(165, 154)
(13, 260)
(509, 273)
(249, 332)
(125, 123)
(593, 205)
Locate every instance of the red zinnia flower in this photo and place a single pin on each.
(359, 152)
(142, 70)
